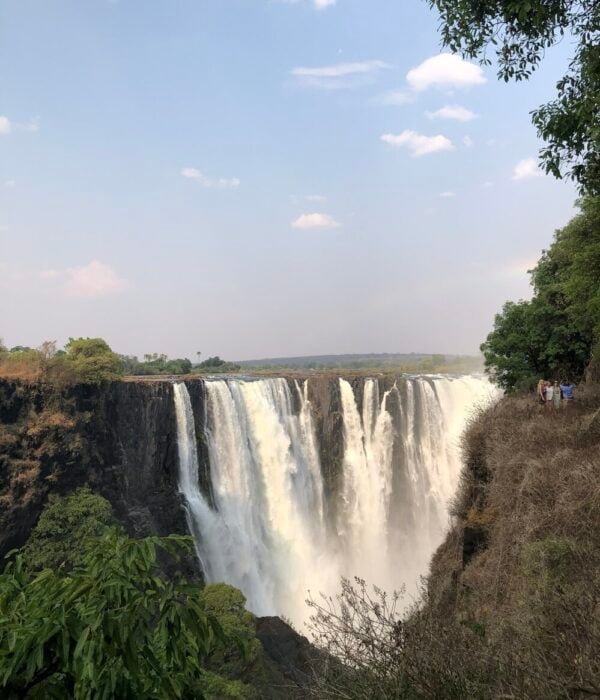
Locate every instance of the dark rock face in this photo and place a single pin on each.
(120, 439)
(289, 657)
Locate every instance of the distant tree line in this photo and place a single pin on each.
(91, 360)
(156, 363)
(87, 360)
(557, 333)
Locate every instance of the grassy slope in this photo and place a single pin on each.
(521, 565)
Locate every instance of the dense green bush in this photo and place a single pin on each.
(58, 539)
(111, 628)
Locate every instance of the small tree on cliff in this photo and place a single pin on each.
(93, 361)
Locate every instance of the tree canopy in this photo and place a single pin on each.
(92, 360)
(556, 332)
(519, 32)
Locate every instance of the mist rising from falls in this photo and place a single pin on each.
(270, 531)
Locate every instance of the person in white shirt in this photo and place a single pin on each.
(549, 394)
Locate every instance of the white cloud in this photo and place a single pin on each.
(396, 98)
(445, 70)
(91, 281)
(526, 169)
(447, 195)
(298, 199)
(338, 75)
(202, 179)
(316, 220)
(6, 125)
(418, 144)
(468, 141)
(457, 112)
(10, 183)
(317, 4)
(488, 184)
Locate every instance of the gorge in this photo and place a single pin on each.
(287, 483)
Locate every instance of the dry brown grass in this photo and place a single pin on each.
(530, 500)
(512, 606)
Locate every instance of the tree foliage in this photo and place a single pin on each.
(58, 539)
(554, 334)
(520, 31)
(111, 628)
(156, 363)
(92, 360)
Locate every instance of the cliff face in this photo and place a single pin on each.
(120, 439)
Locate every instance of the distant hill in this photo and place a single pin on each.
(367, 360)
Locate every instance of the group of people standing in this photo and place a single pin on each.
(553, 394)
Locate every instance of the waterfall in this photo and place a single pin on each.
(267, 531)
(367, 482)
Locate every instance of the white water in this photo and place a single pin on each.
(268, 533)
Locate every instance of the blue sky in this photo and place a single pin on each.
(258, 178)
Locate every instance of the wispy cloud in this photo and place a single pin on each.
(91, 281)
(418, 144)
(7, 126)
(10, 183)
(526, 169)
(396, 98)
(456, 112)
(338, 75)
(298, 199)
(317, 4)
(468, 141)
(33, 125)
(315, 221)
(445, 70)
(202, 179)
(447, 195)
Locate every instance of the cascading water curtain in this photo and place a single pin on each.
(267, 533)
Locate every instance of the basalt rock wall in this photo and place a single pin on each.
(120, 439)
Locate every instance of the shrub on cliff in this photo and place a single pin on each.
(228, 605)
(93, 361)
(112, 628)
(58, 539)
